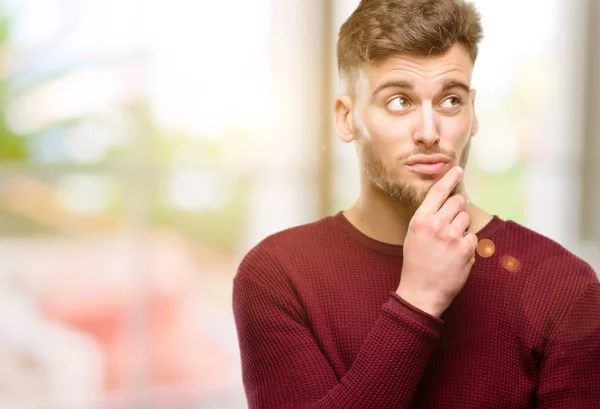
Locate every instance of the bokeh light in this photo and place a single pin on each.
(510, 263)
(486, 248)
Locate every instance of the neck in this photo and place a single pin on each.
(384, 219)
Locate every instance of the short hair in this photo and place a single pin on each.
(379, 28)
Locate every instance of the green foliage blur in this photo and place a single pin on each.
(148, 151)
(12, 146)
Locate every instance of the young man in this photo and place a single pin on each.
(414, 297)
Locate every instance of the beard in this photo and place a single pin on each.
(409, 195)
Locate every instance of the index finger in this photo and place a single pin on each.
(441, 190)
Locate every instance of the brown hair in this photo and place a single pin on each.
(379, 28)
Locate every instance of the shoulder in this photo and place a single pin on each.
(546, 262)
(540, 248)
(294, 246)
(543, 279)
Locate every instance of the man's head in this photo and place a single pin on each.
(405, 71)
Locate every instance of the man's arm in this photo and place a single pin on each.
(570, 372)
(283, 366)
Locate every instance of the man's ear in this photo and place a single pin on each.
(342, 118)
(475, 125)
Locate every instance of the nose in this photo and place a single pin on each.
(426, 131)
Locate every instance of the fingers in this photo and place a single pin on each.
(470, 241)
(440, 191)
(452, 207)
(461, 222)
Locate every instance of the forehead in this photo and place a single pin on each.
(423, 71)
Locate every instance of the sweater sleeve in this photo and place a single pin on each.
(570, 373)
(283, 366)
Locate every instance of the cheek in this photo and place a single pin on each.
(390, 137)
(387, 129)
(456, 130)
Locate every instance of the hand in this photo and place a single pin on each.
(438, 253)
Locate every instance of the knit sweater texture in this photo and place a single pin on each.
(320, 326)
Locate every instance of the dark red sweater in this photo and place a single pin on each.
(320, 325)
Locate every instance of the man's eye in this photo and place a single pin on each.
(398, 104)
(450, 102)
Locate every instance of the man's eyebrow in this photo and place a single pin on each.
(449, 84)
(408, 85)
(394, 84)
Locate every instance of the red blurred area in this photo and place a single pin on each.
(140, 325)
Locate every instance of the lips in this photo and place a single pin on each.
(428, 164)
(428, 168)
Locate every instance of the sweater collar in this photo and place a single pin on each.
(495, 224)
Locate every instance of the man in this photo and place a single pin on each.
(415, 297)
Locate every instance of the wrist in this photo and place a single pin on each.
(425, 303)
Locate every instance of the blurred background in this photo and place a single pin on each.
(147, 145)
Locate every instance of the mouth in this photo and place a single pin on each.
(428, 168)
(428, 165)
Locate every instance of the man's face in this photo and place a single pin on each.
(407, 106)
